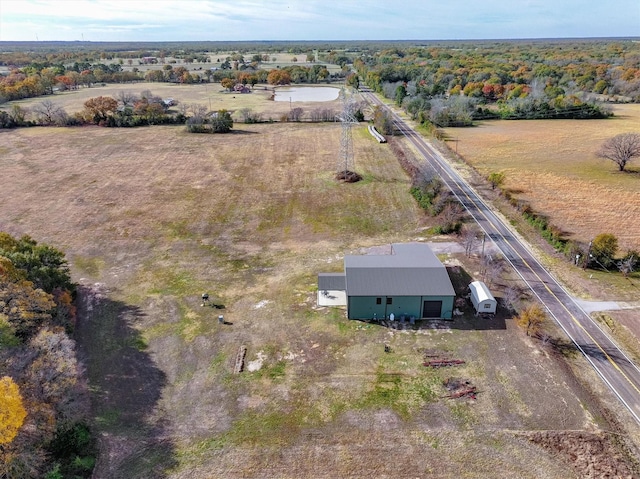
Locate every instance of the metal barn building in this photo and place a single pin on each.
(409, 282)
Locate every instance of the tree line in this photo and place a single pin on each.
(43, 399)
(511, 80)
(45, 78)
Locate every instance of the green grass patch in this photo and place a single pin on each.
(192, 324)
(463, 413)
(108, 418)
(136, 342)
(178, 229)
(170, 281)
(89, 266)
(403, 393)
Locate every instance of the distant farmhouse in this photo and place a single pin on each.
(411, 282)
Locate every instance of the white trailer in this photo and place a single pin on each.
(481, 297)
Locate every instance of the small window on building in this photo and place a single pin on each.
(487, 306)
(378, 300)
(389, 300)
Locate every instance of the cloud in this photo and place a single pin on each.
(312, 19)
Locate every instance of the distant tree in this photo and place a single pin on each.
(127, 98)
(99, 108)
(155, 75)
(221, 122)
(228, 83)
(383, 121)
(496, 179)
(216, 122)
(603, 250)
(532, 318)
(295, 114)
(278, 77)
(621, 149)
(353, 80)
(294, 59)
(12, 411)
(400, 94)
(18, 114)
(311, 57)
(49, 113)
(149, 110)
(249, 116)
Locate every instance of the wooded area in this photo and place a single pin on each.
(43, 401)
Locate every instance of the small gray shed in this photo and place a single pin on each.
(481, 297)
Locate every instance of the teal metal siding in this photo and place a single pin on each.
(365, 307)
(407, 305)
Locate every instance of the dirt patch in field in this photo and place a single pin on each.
(591, 455)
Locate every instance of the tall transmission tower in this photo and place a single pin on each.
(347, 120)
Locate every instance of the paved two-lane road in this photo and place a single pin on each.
(613, 366)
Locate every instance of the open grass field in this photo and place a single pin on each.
(151, 218)
(553, 166)
(211, 95)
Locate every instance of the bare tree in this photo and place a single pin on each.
(249, 116)
(197, 110)
(469, 237)
(48, 113)
(18, 114)
(493, 269)
(511, 297)
(183, 108)
(295, 114)
(127, 98)
(620, 149)
(628, 265)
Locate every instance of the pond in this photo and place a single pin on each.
(307, 93)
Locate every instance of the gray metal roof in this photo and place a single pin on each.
(331, 282)
(411, 270)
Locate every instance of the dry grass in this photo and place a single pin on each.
(157, 216)
(212, 96)
(552, 165)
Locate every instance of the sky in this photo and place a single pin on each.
(252, 20)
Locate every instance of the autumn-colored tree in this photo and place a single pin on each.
(54, 369)
(532, 318)
(24, 307)
(99, 108)
(12, 411)
(279, 77)
(228, 83)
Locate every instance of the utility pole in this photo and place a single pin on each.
(586, 260)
